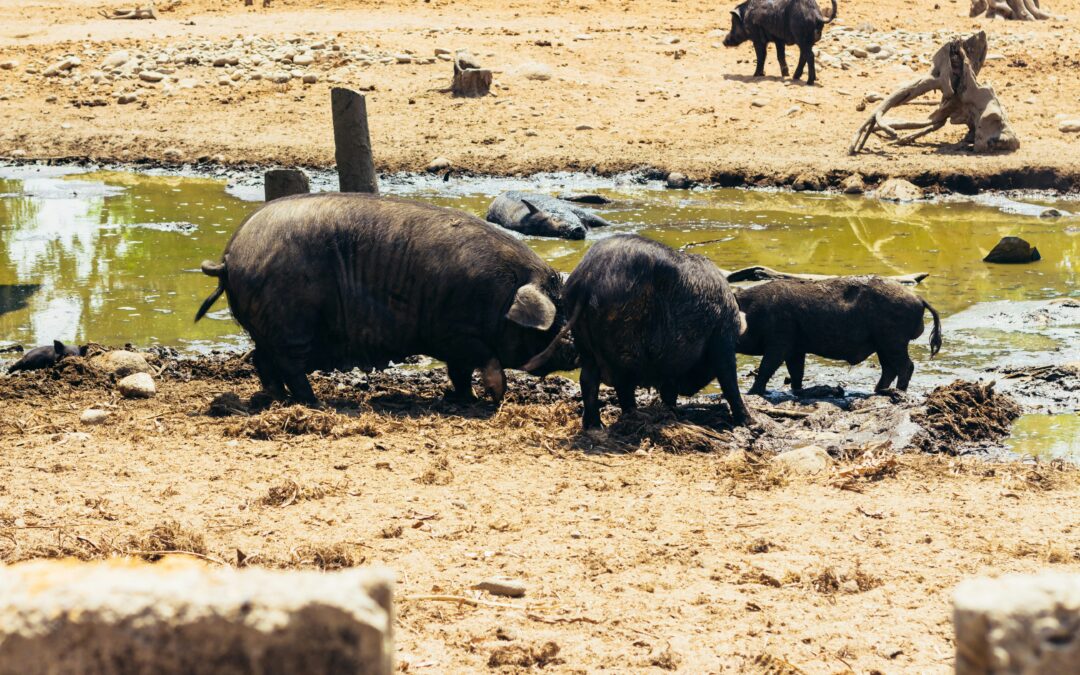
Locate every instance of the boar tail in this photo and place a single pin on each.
(832, 17)
(217, 270)
(542, 358)
(935, 335)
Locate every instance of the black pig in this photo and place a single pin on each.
(330, 281)
(48, 356)
(847, 318)
(783, 22)
(643, 314)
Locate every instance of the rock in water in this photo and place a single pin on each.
(1018, 624)
(138, 385)
(805, 461)
(182, 616)
(678, 181)
(898, 190)
(853, 185)
(1013, 250)
(809, 181)
(120, 363)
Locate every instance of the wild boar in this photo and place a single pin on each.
(48, 356)
(643, 314)
(782, 22)
(846, 318)
(542, 216)
(332, 280)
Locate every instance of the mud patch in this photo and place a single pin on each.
(73, 372)
(965, 413)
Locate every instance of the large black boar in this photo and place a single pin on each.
(782, 22)
(48, 356)
(342, 280)
(643, 314)
(847, 318)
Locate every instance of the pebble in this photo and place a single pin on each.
(858, 53)
(759, 102)
(535, 71)
(62, 66)
(151, 76)
(1069, 126)
(8, 65)
(439, 51)
(583, 127)
(510, 588)
(305, 59)
(873, 49)
(898, 190)
(403, 58)
(93, 416)
(124, 99)
(116, 59)
(139, 385)
(279, 77)
(310, 78)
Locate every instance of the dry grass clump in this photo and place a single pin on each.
(965, 412)
(865, 464)
(827, 580)
(168, 537)
(437, 473)
(328, 557)
(658, 427)
(283, 421)
(525, 656)
(767, 664)
(290, 491)
(746, 470)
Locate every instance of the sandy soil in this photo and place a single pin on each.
(650, 80)
(640, 560)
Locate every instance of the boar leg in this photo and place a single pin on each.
(722, 359)
(812, 78)
(802, 64)
(770, 363)
(669, 394)
(889, 370)
(268, 375)
(590, 395)
(759, 50)
(298, 384)
(796, 365)
(461, 378)
(494, 378)
(905, 369)
(625, 391)
(782, 58)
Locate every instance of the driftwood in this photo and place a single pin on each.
(1017, 10)
(469, 78)
(963, 101)
(134, 14)
(759, 273)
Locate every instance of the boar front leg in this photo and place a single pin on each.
(760, 49)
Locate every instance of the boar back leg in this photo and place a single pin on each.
(796, 366)
(461, 379)
(494, 378)
(269, 377)
(669, 394)
(625, 391)
(590, 395)
(781, 56)
(802, 64)
(766, 369)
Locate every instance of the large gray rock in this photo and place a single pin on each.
(137, 385)
(180, 616)
(898, 190)
(120, 363)
(1018, 625)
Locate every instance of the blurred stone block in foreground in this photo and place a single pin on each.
(180, 616)
(1018, 625)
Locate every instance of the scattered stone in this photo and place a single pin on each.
(310, 78)
(279, 77)
(116, 60)
(873, 49)
(183, 616)
(305, 59)
(853, 185)
(583, 127)
(151, 76)
(138, 385)
(8, 65)
(678, 181)
(898, 190)
(809, 181)
(92, 416)
(511, 588)
(809, 460)
(535, 71)
(403, 58)
(437, 164)
(439, 51)
(62, 66)
(120, 363)
(1069, 126)
(1018, 624)
(858, 53)
(759, 102)
(1013, 250)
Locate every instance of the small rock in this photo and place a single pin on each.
(849, 586)
(873, 49)
(1013, 250)
(759, 102)
(62, 66)
(226, 60)
(116, 60)
(93, 416)
(151, 76)
(124, 99)
(279, 77)
(310, 78)
(858, 53)
(439, 51)
(1069, 126)
(139, 385)
(437, 164)
(583, 127)
(898, 190)
(120, 363)
(873, 97)
(853, 185)
(511, 588)
(535, 71)
(678, 181)
(809, 180)
(809, 460)
(305, 59)
(8, 65)
(403, 58)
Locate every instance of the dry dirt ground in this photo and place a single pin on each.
(636, 557)
(632, 83)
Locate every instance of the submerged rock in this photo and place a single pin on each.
(678, 181)
(853, 185)
(1013, 250)
(898, 190)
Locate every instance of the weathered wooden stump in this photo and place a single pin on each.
(279, 183)
(352, 142)
(470, 79)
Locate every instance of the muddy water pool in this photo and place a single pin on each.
(113, 257)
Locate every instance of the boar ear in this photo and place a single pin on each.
(532, 308)
(529, 205)
(58, 347)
